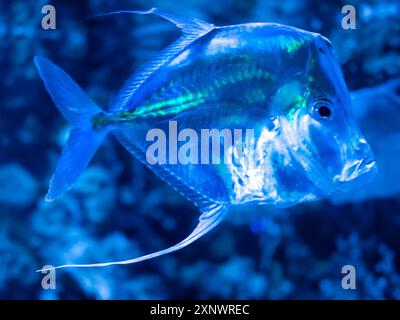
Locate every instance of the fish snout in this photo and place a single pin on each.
(361, 166)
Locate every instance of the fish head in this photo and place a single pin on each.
(320, 128)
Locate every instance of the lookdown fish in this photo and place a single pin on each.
(280, 81)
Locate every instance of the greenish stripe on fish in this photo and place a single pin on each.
(185, 102)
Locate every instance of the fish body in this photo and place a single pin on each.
(281, 82)
(243, 76)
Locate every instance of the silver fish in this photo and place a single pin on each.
(282, 82)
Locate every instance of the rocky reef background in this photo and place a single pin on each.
(119, 209)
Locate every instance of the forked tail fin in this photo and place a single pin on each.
(207, 221)
(77, 108)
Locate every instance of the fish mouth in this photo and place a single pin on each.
(356, 173)
(362, 170)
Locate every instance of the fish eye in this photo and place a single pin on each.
(323, 109)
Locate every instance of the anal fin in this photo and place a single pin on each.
(210, 218)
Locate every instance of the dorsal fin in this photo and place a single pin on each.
(192, 29)
(186, 24)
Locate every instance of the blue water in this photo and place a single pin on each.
(120, 210)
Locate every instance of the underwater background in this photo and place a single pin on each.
(119, 209)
